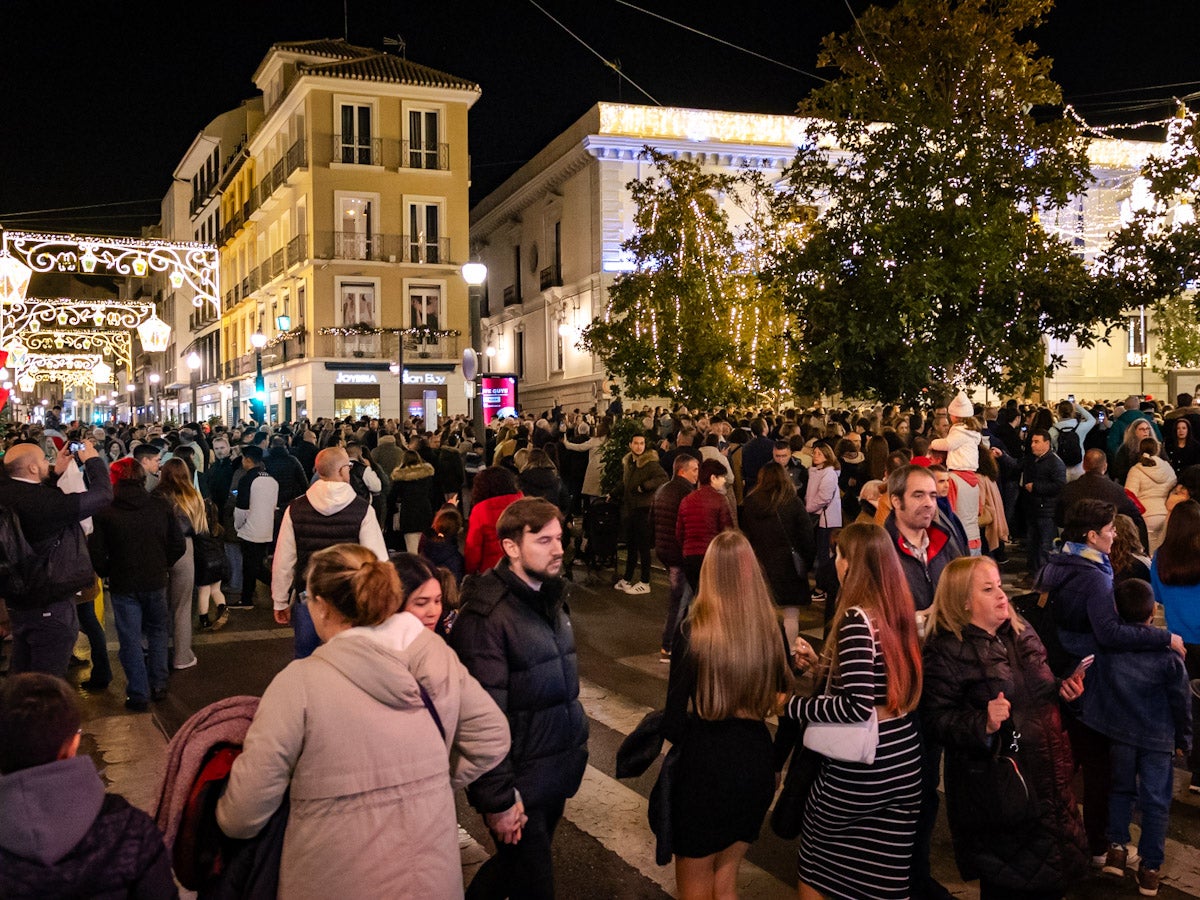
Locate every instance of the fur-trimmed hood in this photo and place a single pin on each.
(412, 473)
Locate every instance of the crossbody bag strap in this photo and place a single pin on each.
(871, 628)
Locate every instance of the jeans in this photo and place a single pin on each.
(93, 628)
(638, 541)
(522, 871)
(677, 605)
(1041, 535)
(141, 613)
(1192, 661)
(43, 637)
(1144, 776)
(305, 639)
(233, 584)
(252, 564)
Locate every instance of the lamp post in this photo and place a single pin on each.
(155, 378)
(193, 363)
(259, 340)
(474, 273)
(129, 388)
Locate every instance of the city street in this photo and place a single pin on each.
(604, 847)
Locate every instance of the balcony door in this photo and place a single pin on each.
(356, 217)
(424, 232)
(422, 139)
(355, 137)
(360, 307)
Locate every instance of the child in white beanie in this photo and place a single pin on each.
(961, 445)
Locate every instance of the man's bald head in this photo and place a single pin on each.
(1095, 461)
(24, 461)
(333, 464)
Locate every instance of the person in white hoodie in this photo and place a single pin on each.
(254, 521)
(961, 446)
(329, 512)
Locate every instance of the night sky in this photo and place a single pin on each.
(101, 100)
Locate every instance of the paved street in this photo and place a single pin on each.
(604, 847)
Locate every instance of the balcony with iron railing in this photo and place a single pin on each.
(382, 247)
(511, 297)
(551, 276)
(384, 345)
(356, 151)
(297, 250)
(415, 155)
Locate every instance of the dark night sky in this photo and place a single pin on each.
(102, 99)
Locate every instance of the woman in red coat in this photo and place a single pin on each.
(703, 514)
(492, 491)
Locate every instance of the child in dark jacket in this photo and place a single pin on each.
(61, 835)
(1141, 701)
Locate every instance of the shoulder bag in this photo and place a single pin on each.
(797, 560)
(853, 742)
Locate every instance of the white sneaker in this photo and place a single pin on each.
(640, 588)
(623, 585)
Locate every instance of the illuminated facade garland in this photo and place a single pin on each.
(36, 315)
(115, 344)
(184, 263)
(361, 330)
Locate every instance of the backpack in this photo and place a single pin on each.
(17, 557)
(1070, 451)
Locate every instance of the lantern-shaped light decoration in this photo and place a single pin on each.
(88, 260)
(155, 334)
(176, 279)
(26, 383)
(139, 266)
(14, 279)
(18, 354)
(102, 373)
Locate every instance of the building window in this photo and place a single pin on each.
(425, 306)
(424, 233)
(423, 147)
(560, 351)
(355, 138)
(359, 307)
(356, 232)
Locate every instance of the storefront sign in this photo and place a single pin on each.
(423, 378)
(356, 378)
(499, 393)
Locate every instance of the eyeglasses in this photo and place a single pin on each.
(346, 466)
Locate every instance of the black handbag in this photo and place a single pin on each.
(641, 746)
(787, 818)
(208, 556)
(992, 791)
(1037, 608)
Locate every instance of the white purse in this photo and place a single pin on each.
(853, 742)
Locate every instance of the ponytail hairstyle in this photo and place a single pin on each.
(349, 577)
(875, 582)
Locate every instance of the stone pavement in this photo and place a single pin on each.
(604, 847)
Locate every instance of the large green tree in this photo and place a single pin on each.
(1153, 260)
(693, 321)
(927, 266)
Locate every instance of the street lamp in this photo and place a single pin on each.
(474, 273)
(258, 340)
(193, 363)
(155, 378)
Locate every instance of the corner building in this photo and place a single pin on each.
(344, 225)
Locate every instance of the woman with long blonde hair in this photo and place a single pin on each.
(860, 821)
(988, 688)
(175, 486)
(728, 671)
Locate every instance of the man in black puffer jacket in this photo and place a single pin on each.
(514, 635)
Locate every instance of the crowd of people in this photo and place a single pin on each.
(425, 575)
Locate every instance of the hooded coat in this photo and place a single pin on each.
(961, 676)
(411, 486)
(62, 836)
(370, 817)
(1151, 485)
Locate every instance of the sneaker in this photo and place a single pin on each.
(205, 623)
(639, 587)
(186, 665)
(1116, 860)
(1098, 860)
(94, 686)
(240, 604)
(818, 594)
(1194, 787)
(134, 704)
(622, 585)
(664, 656)
(1147, 880)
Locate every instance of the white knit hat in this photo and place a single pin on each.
(961, 406)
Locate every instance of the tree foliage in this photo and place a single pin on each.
(1153, 260)
(927, 266)
(692, 321)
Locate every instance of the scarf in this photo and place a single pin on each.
(1070, 548)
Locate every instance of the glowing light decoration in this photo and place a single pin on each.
(176, 279)
(14, 278)
(195, 263)
(26, 383)
(102, 372)
(117, 344)
(155, 334)
(38, 314)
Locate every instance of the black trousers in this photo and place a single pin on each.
(253, 556)
(639, 539)
(1090, 749)
(43, 637)
(521, 871)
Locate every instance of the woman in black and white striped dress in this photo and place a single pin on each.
(860, 821)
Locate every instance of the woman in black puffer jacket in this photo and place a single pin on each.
(539, 478)
(986, 679)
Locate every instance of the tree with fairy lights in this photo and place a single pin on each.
(693, 321)
(927, 265)
(1153, 260)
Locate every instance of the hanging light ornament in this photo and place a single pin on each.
(155, 334)
(26, 383)
(139, 266)
(88, 261)
(102, 373)
(176, 279)
(14, 279)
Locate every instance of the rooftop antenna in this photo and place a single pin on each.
(615, 65)
(346, 21)
(398, 43)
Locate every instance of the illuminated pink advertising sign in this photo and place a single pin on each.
(498, 394)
